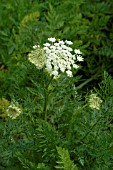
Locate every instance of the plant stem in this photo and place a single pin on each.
(46, 99)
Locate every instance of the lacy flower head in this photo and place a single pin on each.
(94, 101)
(13, 110)
(57, 57)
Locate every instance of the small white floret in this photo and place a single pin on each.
(52, 39)
(77, 51)
(75, 66)
(35, 46)
(68, 42)
(55, 73)
(69, 73)
(79, 58)
(46, 44)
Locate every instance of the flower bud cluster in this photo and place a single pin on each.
(57, 56)
(13, 110)
(94, 101)
(37, 57)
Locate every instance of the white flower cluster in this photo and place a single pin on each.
(57, 56)
(60, 57)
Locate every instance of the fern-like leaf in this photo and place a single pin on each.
(65, 162)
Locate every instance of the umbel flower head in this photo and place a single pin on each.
(94, 101)
(13, 110)
(57, 56)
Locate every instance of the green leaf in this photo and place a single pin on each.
(67, 163)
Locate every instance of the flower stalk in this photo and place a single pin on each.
(46, 91)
